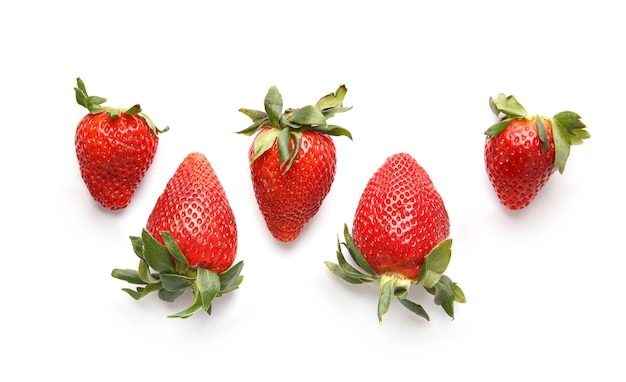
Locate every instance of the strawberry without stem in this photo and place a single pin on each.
(522, 152)
(190, 241)
(293, 160)
(400, 237)
(114, 147)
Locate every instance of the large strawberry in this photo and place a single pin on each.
(522, 152)
(400, 237)
(190, 241)
(115, 148)
(293, 160)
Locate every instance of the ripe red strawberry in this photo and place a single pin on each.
(400, 237)
(115, 148)
(522, 152)
(293, 160)
(190, 240)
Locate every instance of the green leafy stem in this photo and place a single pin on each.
(568, 129)
(289, 125)
(95, 105)
(393, 284)
(165, 270)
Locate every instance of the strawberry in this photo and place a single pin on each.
(190, 241)
(115, 148)
(522, 152)
(293, 160)
(400, 237)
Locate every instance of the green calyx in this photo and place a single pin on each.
(95, 105)
(393, 284)
(567, 128)
(165, 270)
(289, 124)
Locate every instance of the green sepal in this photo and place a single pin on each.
(94, 105)
(444, 292)
(174, 283)
(337, 271)
(155, 130)
(456, 294)
(91, 103)
(567, 130)
(402, 286)
(136, 294)
(345, 271)
(332, 103)
(134, 110)
(393, 284)
(352, 272)
(169, 296)
(263, 142)
(128, 275)
(156, 254)
(205, 288)
(459, 295)
(144, 273)
(230, 287)
(142, 291)
(208, 286)
(255, 115)
(347, 268)
(173, 276)
(333, 100)
(181, 264)
(333, 130)
(567, 127)
(307, 116)
(578, 136)
(195, 306)
(283, 144)
(328, 113)
(508, 106)
(497, 128)
(231, 279)
(385, 294)
(137, 243)
(570, 122)
(355, 253)
(435, 264)
(297, 142)
(415, 308)
(543, 134)
(295, 121)
(274, 106)
(255, 127)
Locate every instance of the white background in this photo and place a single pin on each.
(544, 285)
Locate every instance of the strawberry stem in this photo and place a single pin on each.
(394, 284)
(567, 127)
(164, 269)
(94, 105)
(287, 126)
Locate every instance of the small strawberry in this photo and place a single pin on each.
(190, 241)
(522, 152)
(115, 148)
(400, 237)
(293, 160)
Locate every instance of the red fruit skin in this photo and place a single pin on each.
(114, 155)
(288, 201)
(399, 218)
(516, 166)
(194, 208)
